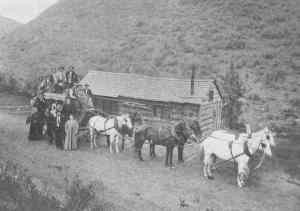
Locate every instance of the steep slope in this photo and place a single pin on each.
(160, 37)
(7, 25)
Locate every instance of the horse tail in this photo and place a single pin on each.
(201, 151)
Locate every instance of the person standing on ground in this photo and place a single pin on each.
(51, 120)
(68, 107)
(36, 122)
(71, 131)
(59, 128)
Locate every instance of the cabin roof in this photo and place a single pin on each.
(139, 86)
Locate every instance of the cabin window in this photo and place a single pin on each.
(161, 112)
(110, 106)
(211, 95)
(157, 111)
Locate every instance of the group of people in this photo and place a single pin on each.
(54, 119)
(59, 80)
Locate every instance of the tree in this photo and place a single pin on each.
(234, 91)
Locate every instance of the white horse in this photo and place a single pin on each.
(111, 127)
(239, 148)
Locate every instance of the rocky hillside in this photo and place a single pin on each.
(7, 25)
(167, 37)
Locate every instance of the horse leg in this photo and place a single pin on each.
(140, 154)
(205, 170)
(117, 143)
(153, 151)
(207, 166)
(167, 156)
(111, 139)
(242, 175)
(94, 139)
(180, 152)
(123, 143)
(91, 138)
(107, 140)
(171, 156)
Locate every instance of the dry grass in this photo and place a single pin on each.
(18, 191)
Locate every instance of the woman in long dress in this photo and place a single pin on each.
(71, 130)
(36, 122)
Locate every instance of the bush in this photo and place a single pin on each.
(234, 90)
(19, 192)
(79, 195)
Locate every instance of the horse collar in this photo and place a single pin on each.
(116, 125)
(246, 149)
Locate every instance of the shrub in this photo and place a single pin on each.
(234, 90)
(79, 195)
(19, 192)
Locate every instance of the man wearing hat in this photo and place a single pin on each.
(59, 127)
(59, 79)
(89, 94)
(71, 77)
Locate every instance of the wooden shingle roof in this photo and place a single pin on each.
(139, 86)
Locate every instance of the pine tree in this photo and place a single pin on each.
(234, 91)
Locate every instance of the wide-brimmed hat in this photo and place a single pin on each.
(61, 68)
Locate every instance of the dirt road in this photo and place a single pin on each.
(147, 185)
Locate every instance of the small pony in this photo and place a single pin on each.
(238, 148)
(112, 127)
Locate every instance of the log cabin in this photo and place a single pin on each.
(157, 99)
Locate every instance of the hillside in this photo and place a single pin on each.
(7, 25)
(160, 37)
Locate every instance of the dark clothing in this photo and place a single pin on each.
(59, 131)
(68, 109)
(36, 122)
(71, 78)
(40, 104)
(58, 88)
(51, 120)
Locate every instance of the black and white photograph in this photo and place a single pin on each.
(149, 105)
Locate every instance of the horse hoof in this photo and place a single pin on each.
(180, 161)
(210, 177)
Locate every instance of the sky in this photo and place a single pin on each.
(24, 10)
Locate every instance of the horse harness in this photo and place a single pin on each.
(246, 151)
(115, 126)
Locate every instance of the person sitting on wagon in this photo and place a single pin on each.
(89, 94)
(71, 77)
(59, 80)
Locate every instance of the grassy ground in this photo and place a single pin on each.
(148, 185)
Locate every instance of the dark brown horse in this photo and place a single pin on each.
(169, 137)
